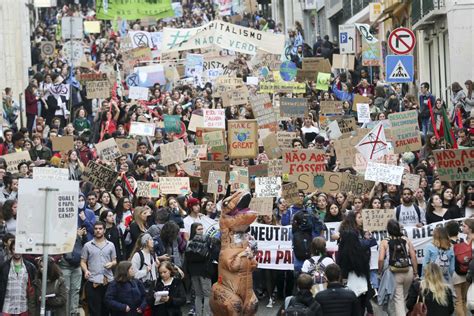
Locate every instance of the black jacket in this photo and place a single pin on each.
(5, 270)
(306, 298)
(197, 260)
(177, 299)
(432, 306)
(338, 300)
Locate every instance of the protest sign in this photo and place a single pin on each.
(127, 145)
(174, 185)
(133, 9)
(225, 35)
(148, 189)
(384, 173)
(192, 168)
(216, 182)
(293, 107)
(376, 220)
(405, 131)
(215, 141)
(172, 123)
(281, 87)
(323, 80)
(148, 76)
(355, 184)
(138, 93)
(99, 89)
(142, 129)
(305, 75)
(12, 160)
(272, 149)
(134, 56)
(47, 48)
(274, 167)
(455, 164)
(239, 179)
(63, 144)
(347, 125)
(343, 61)
(373, 145)
(274, 244)
(360, 163)
(214, 118)
(173, 152)
(411, 181)
(332, 130)
(358, 99)
(327, 182)
(303, 160)
(44, 173)
(108, 150)
(242, 138)
(330, 107)
(263, 111)
(92, 27)
(237, 96)
(59, 208)
(99, 175)
(290, 193)
(195, 122)
(91, 76)
(255, 171)
(317, 64)
(268, 186)
(194, 65)
(262, 205)
(196, 151)
(207, 166)
(363, 113)
(285, 138)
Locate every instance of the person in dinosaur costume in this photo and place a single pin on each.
(233, 294)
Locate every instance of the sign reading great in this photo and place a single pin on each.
(242, 138)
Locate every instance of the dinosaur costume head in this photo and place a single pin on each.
(233, 294)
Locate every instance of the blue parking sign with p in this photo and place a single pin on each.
(343, 38)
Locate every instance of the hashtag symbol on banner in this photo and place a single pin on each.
(177, 37)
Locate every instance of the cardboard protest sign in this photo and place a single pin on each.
(47, 48)
(262, 108)
(44, 173)
(268, 186)
(174, 185)
(411, 181)
(303, 160)
(99, 89)
(108, 150)
(12, 160)
(455, 164)
(63, 144)
(290, 193)
(359, 99)
(195, 122)
(99, 175)
(255, 171)
(363, 113)
(216, 183)
(173, 152)
(322, 81)
(262, 205)
(285, 138)
(306, 75)
(373, 145)
(347, 125)
(281, 87)
(330, 107)
(215, 141)
(207, 166)
(127, 145)
(355, 184)
(92, 27)
(192, 168)
(332, 130)
(214, 118)
(405, 131)
(384, 173)
(239, 179)
(242, 138)
(275, 167)
(376, 220)
(134, 56)
(293, 107)
(138, 93)
(272, 149)
(360, 163)
(142, 129)
(172, 123)
(196, 151)
(327, 182)
(237, 96)
(148, 189)
(318, 64)
(343, 61)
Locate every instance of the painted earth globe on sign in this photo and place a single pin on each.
(288, 70)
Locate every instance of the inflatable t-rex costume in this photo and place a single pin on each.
(233, 294)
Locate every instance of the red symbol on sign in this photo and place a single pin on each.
(402, 41)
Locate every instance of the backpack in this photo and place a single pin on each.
(301, 244)
(318, 274)
(197, 249)
(142, 259)
(399, 260)
(463, 255)
(296, 308)
(443, 262)
(74, 258)
(417, 209)
(149, 285)
(305, 223)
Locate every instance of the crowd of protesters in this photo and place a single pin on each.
(137, 255)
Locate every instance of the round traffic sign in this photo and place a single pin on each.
(402, 41)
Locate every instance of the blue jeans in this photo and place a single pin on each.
(425, 126)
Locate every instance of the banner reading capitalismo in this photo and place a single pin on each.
(225, 35)
(133, 9)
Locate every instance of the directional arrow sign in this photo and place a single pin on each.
(402, 41)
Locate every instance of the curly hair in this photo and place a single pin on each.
(169, 233)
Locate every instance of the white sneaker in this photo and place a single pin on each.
(270, 303)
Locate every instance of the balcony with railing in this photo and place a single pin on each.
(352, 7)
(425, 11)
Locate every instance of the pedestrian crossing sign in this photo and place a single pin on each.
(399, 68)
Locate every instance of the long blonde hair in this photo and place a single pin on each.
(434, 283)
(136, 217)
